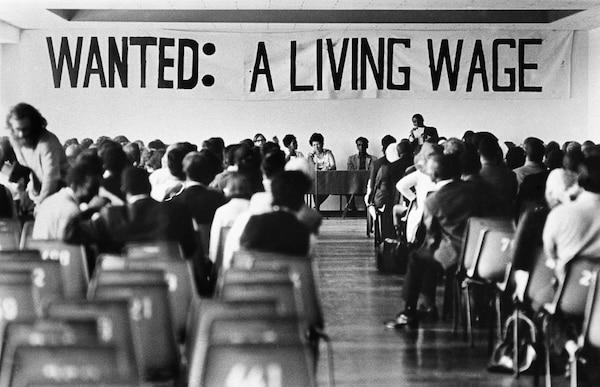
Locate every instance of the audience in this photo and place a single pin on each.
(534, 156)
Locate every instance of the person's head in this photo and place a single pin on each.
(247, 161)
(490, 151)
(268, 147)
(72, 151)
(288, 189)
(572, 160)
(418, 120)
(229, 155)
(91, 161)
(573, 146)
(200, 166)
(290, 142)
(317, 141)
(238, 186)
(156, 145)
(70, 141)
(515, 157)
(470, 164)
(135, 181)
(133, 153)
(391, 153)
(551, 146)
(121, 140)
(589, 174)
(468, 136)
(175, 154)
(386, 141)
(443, 167)
(561, 187)
(86, 143)
(554, 159)
(426, 151)
(259, 140)
(84, 182)
(453, 146)
(151, 159)
(534, 149)
(113, 157)
(361, 145)
(588, 148)
(26, 124)
(403, 148)
(216, 145)
(272, 164)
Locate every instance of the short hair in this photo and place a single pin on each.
(318, 137)
(469, 162)
(387, 140)
(534, 149)
(229, 154)
(156, 144)
(363, 139)
(554, 159)
(200, 166)
(418, 117)
(78, 174)
(446, 167)
(247, 160)
(288, 139)
(288, 189)
(558, 182)
(90, 160)
(572, 160)
(36, 120)
(121, 139)
(403, 147)
(468, 136)
(589, 174)
(216, 145)
(515, 157)
(132, 150)
(257, 135)
(70, 141)
(269, 147)
(113, 157)
(86, 142)
(273, 163)
(135, 181)
(454, 146)
(175, 154)
(427, 150)
(489, 149)
(238, 185)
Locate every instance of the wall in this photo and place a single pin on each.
(340, 121)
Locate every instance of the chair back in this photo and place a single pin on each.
(493, 257)
(473, 238)
(10, 233)
(210, 310)
(150, 311)
(26, 233)
(571, 296)
(155, 249)
(218, 259)
(19, 297)
(591, 324)
(114, 325)
(540, 286)
(269, 349)
(47, 275)
(66, 364)
(301, 267)
(182, 288)
(73, 260)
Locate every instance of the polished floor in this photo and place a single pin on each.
(356, 300)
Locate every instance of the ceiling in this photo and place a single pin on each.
(290, 15)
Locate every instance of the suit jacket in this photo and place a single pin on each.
(447, 211)
(277, 231)
(385, 182)
(429, 132)
(532, 191)
(354, 162)
(201, 202)
(376, 165)
(502, 178)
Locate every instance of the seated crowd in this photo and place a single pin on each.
(215, 200)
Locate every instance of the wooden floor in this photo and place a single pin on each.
(356, 300)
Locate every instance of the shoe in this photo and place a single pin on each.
(428, 314)
(403, 319)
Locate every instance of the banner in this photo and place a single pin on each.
(302, 65)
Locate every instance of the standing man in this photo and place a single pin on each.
(39, 150)
(420, 133)
(362, 161)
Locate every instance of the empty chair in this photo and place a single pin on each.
(148, 294)
(19, 298)
(73, 260)
(155, 249)
(10, 234)
(267, 350)
(114, 325)
(66, 364)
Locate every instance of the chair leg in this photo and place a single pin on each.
(548, 376)
(516, 343)
(469, 317)
(457, 306)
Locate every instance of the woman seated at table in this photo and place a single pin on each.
(322, 160)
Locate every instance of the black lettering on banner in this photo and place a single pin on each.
(354, 64)
(390, 66)
(94, 55)
(143, 42)
(293, 86)
(478, 57)
(337, 70)
(444, 56)
(377, 70)
(261, 57)
(192, 81)
(164, 62)
(117, 61)
(527, 66)
(508, 71)
(64, 54)
(319, 64)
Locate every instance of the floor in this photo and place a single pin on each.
(356, 300)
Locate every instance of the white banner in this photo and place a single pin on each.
(301, 65)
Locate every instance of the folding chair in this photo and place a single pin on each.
(73, 260)
(570, 299)
(218, 262)
(26, 233)
(114, 325)
(486, 257)
(155, 249)
(150, 312)
(201, 323)
(66, 364)
(10, 233)
(19, 298)
(177, 273)
(268, 350)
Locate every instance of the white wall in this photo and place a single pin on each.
(340, 121)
